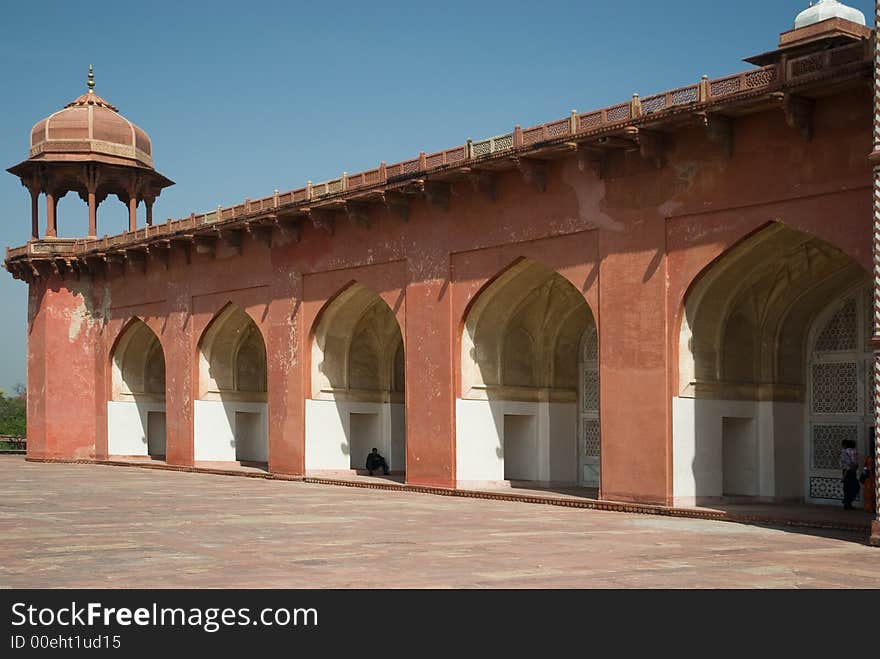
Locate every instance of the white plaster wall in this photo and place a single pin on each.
(328, 429)
(789, 449)
(127, 426)
(480, 436)
(697, 454)
(215, 430)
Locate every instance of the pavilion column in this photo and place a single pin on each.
(91, 176)
(875, 159)
(132, 213)
(134, 190)
(35, 211)
(148, 202)
(93, 215)
(35, 215)
(51, 207)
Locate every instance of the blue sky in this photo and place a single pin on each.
(243, 98)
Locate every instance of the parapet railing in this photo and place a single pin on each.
(794, 71)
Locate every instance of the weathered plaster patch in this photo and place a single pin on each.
(85, 311)
(590, 192)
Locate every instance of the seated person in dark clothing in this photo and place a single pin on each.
(376, 461)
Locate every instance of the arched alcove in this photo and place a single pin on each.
(231, 421)
(358, 384)
(739, 417)
(136, 411)
(522, 415)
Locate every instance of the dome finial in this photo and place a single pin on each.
(91, 82)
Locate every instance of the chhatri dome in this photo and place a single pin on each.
(88, 148)
(825, 9)
(90, 126)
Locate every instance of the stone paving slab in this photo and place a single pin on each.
(80, 525)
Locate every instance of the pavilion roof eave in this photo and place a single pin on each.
(26, 168)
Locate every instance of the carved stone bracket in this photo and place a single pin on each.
(59, 266)
(398, 203)
(594, 159)
(358, 213)
(95, 265)
(136, 258)
(323, 219)
(652, 146)
(261, 233)
(114, 259)
(185, 242)
(163, 252)
(483, 182)
(91, 177)
(437, 193)
(719, 130)
(534, 172)
(289, 227)
(35, 184)
(231, 238)
(798, 113)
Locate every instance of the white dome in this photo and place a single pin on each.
(825, 9)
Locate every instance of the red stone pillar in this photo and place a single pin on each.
(51, 207)
(38, 317)
(149, 204)
(635, 399)
(132, 213)
(63, 347)
(428, 347)
(91, 175)
(93, 215)
(35, 212)
(285, 347)
(181, 366)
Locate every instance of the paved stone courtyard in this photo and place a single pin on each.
(65, 525)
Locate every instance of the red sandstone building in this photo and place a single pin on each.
(668, 299)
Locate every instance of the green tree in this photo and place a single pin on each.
(13, 413)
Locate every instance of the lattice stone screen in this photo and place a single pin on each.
(835, 388)
(591, 438)
(590, 394)
(591, 390)
(841, 332)
(826, 488)
(827, 440)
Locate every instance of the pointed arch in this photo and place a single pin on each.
(521, 416)
(520, 333)
(231, 413)
(232, 358)
(745, 316)
(358, 372)
(740, 426)
(136, 409)
(138, 363)
(355, 343)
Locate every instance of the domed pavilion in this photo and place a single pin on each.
(90, 149)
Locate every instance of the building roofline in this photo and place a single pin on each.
(634, 123)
